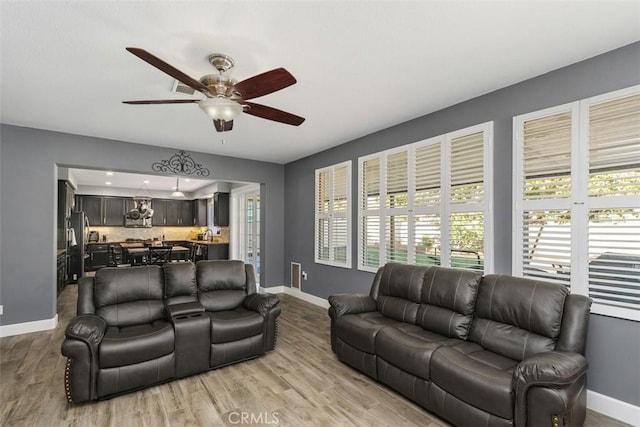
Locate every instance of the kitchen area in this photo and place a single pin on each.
(102, 227)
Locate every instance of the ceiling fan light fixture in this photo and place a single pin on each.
(220, 108)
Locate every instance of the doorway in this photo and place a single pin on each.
(246, 201)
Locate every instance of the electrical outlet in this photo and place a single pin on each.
(304, 275)
(1, 309)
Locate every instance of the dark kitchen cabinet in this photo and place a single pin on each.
(221, 209)
(200, 212)
(61, 275)
(159, 209)
(92, 207)
(211, 251)
(186, 212)
(113, 210)
(98, 257)
(172, 212)
(103, 210)
(65, 207)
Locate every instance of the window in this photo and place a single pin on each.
(577, 199)
(427, 203)
(333, 215)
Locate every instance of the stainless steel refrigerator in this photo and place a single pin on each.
(77, 237)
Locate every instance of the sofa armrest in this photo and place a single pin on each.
(554, 369)
(88, 328)
(184, 309)
(262, 303)
(351, 304)
(83, 336)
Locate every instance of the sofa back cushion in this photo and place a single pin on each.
(180, 282)
(222, 285)
(518, 317)
(448, 300)
(129, 296)
(398, 292)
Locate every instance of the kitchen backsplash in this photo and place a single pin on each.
(121, 234)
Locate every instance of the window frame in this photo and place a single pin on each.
(444, 209)
(331, 214)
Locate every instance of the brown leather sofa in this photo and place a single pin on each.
(493, 350)
(140, 326)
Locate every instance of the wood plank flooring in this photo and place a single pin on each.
(301, 383)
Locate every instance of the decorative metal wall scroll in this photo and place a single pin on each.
(180, 163)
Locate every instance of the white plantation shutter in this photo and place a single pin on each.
(547, 157)
(577, 197)
(467, 173)
(614, 204)
(403, 198)
(543, 249)
(370, 199)
(333, 214)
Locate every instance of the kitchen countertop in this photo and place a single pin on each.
(206, 242)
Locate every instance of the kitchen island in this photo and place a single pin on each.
(204, 249)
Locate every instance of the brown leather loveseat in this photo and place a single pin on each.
(493, 350)
(140, 326)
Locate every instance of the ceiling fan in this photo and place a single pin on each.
(225, 98)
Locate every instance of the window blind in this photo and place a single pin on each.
(577, 198)
(405, 201)
(333, 218)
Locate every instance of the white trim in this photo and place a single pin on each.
(28, 327)
(320, 302)
(613, 408)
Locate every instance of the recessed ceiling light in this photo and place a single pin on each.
(146, 181)
(187, 180)
(108, 182)
(109, 173)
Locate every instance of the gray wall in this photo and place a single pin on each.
(615, 376)
(29, 162)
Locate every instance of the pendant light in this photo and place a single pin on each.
(178, 193)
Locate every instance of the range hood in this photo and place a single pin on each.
(141, 215)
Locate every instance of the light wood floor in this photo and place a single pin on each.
(301, 383)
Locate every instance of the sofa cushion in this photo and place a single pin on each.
(476, 376)
(180, 282)
(409, 347)
(135, 344)
(518, 317)
(221, 275)
(360, 330)
(398, 292)
(448, 300)
(234, 325)
(129, 296)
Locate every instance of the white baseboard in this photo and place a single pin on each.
(613, 408)
(605, 405)
(28, 327)
(320, 302)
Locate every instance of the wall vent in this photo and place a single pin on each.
(295, 275)
(179, 87)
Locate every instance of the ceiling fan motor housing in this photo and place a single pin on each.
(218, 84)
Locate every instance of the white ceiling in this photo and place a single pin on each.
(95, 178)
(361, 66)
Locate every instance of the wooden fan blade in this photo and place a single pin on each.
(222, 126)
(163, 101)
(274, 114)
(169, 69)
(264, 83)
